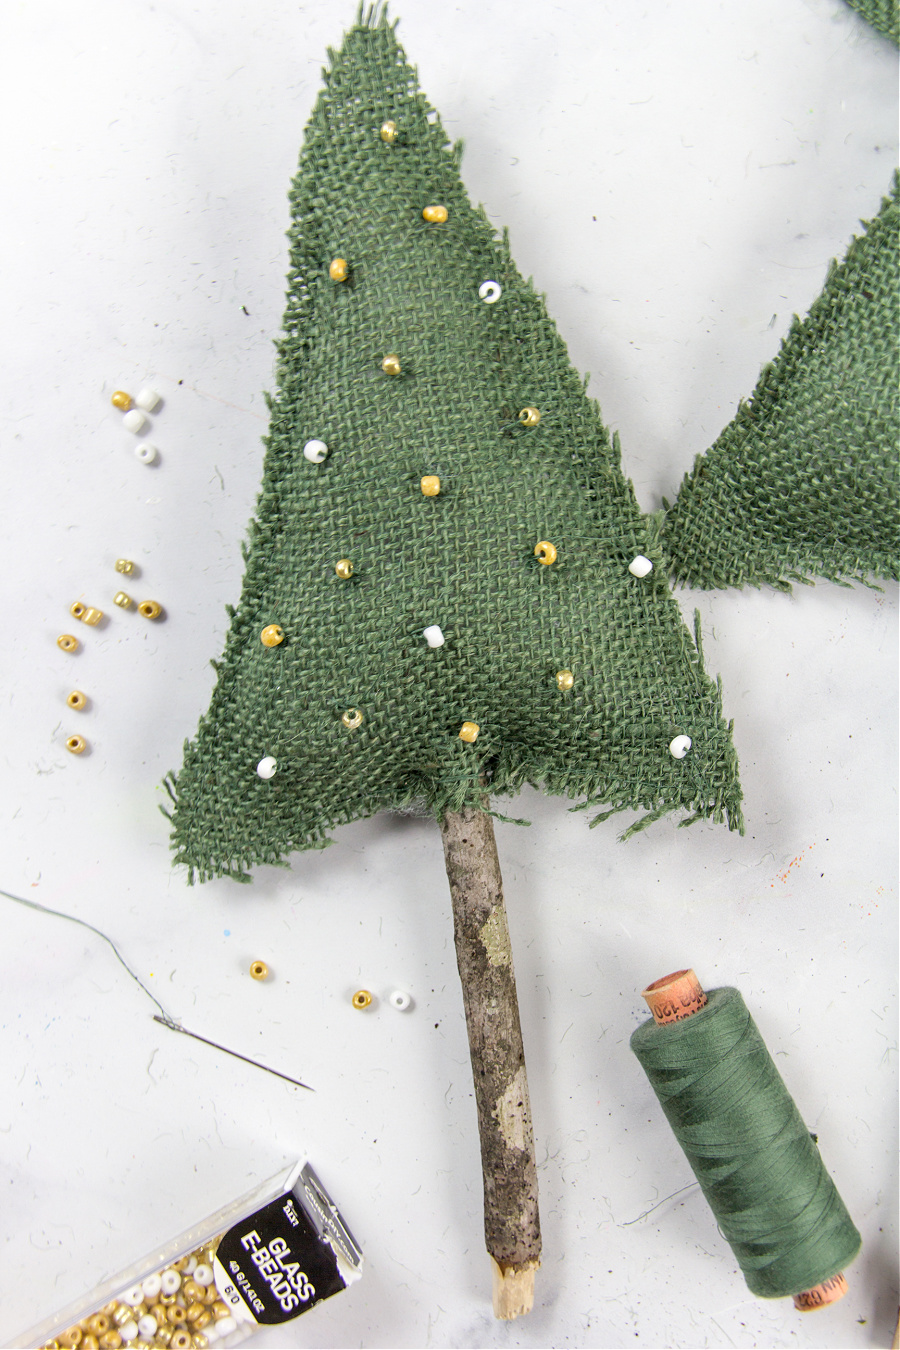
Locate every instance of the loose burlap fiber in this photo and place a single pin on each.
(463, 560)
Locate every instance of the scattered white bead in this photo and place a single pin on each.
(147, 1325)
(146, 453)
(224, 1325)
(203, 1275)
(170, 1281)
(641, 566)
(148, 399)
(433, 636)
(315, 451)
(490, 292)
(134, 421)
(128, 1331)
(151, 1287)
(266, 769)
(400, 1000)
(680, 746)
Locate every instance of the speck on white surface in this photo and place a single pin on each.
(676, 179)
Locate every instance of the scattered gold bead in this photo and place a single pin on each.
(344, 568)
(121, 400)
(181, 1340)
(258, 971)
(78, 610)
(352, 719)
(77, 700)
(76, 745)
(435, 215)
(545, 552)
(564, 680)
(469, 732)
(271, 635)
(391, 365)
(125, 566)
(92, 616)
(529, 417)
(430, 485)
(122, 600)
(67, 642)
(150, 609)
(361, 999)
(338, 269)
(389, 132)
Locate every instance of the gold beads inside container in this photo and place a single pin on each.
(272, 635)
(362, 999)
(435, 215)
(344, 568)
(338, 269)
(545, 552)
(564, 680)
(76, 745)
(468, 732)
(529, 417)
(391, 365)
(388, 132)
(77, 700)
(149, 609)
(121, 400)
(430, 485)
(67, 642)
(352, 719)
(258, 971)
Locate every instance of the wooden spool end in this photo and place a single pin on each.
(513, 1294)
(672, 999)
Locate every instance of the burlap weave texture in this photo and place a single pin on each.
(463, 559)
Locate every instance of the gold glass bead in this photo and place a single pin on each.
(529, 417)
(352, 719)
(78, 610)
(150, 609)
(125, 566)
(67, 642)
(389, 132)
(110, 1340)
(76, 745)
(199, 1341)
(166, 1300)
(361, 999)
(191, 1289)
(77, 700)
(469, 732)
(124, 1313)
(338, 269)
(121, 400)
(203, 1319)
(177, 1314)
(181, 1340)
(564, 680)
(163, 1334)
(91, 616)
(430, 485)
(271, 635)
(258, 971)
(72, 1337)
(194, 1310)
(391, 365)
(545, 552)
(90, 1343)
(344, 568)
(122, 600)
(211, 1293)
(220, 1310)
(435, 215)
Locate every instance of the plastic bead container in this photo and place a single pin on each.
(273, 1254)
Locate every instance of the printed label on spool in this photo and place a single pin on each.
(675, 997)
(281, 1261)
(829, 1291)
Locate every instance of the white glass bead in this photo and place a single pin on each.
(147, 1325)
(224, 1325)
(151, 1287)
(400, 1000)
(641, 566)
(191, 1266)
(148, 399)
(680, 746)
(315, 451)
(133, 1296)
(266, 769)
(134, 421)
(203, 1275)
(170, 1281)
(128, 1331)
(433, 636)
(146, 453)
(490, 292)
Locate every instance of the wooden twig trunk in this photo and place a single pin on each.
(511, 1222)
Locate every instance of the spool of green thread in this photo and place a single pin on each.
(748, 1147)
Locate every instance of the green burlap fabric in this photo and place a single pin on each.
(463, 560)
(881, 14)
(805, 481)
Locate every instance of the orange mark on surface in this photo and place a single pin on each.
(795, 862)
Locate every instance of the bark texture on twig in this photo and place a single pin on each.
(511, 1223)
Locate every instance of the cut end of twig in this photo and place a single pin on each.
(513, 1289)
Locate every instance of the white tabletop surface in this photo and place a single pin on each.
(676, 178)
